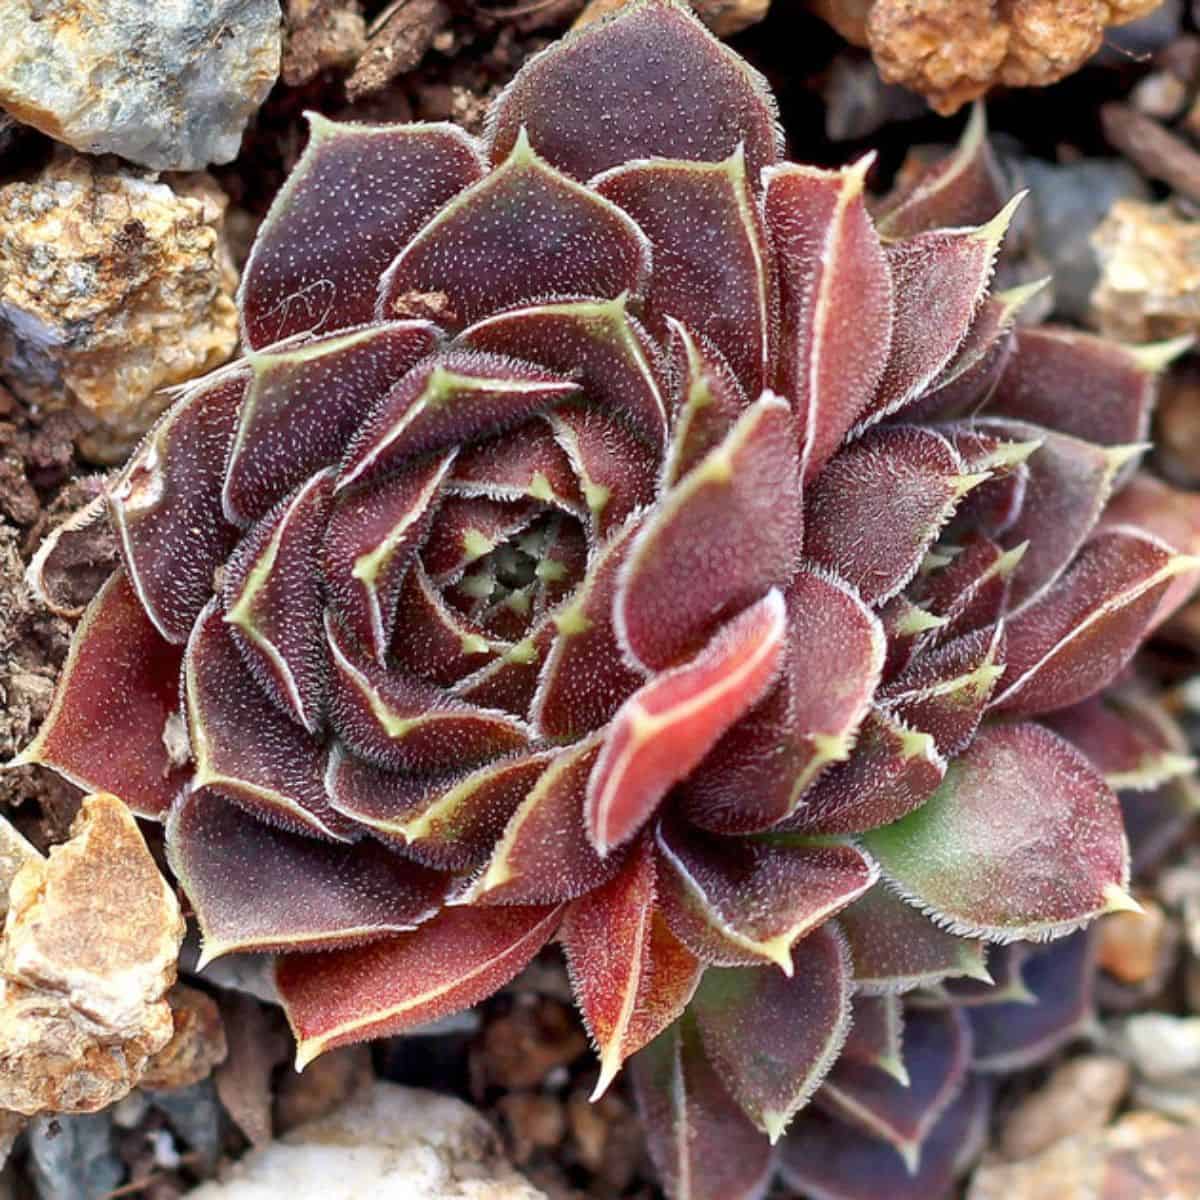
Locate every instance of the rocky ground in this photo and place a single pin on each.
(126, 210)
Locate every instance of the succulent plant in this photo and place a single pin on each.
(615, 533)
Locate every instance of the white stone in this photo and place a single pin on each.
(390, 1142)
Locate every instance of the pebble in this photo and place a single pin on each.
(1132, 946)
(1080, 1096)
(1159, 1046)
(73, 1158)
(1068, 202)
(86, 959)
(389, 1141)
(1143, 1156)
(1149, 287)
(113, 286)
(168, 86)
(15, 852)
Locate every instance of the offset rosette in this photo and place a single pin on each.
(614, 534)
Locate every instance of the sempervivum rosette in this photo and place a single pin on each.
(613, 534)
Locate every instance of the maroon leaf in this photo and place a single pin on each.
(876, 1035)
(166, 505)
(544, 854)
(896, 949)
(666, 727)
(1022, 840)
(616, 469)
(631, 976)
(118, 689)
(406, 724)
(522, 233)
(942, 276)
(703, 1144)
(837, 300)
(964, 188)
(595, 342)
(707, 399)
(383, 988)
(370, 542)
(878, 505)
(449, 822)
(773, 1037)
(937, 1051)
(445, 400)
(945, 692)
(758, 772)
(1128, 737)
(256, 887)
(274, 601)
(1080, 384)
(749, 901)
(303, 404)
(1168, 513)
(585, 680)
(433, 641)
(1067, 485)
(355, 198)
(892, 771)
(687, 209)
(649, 83)
(728, 531)
(1016, 1034)
(825, 1159)
(527, 464)
(1076, 637)
(243, 746)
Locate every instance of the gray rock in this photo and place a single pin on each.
(1069, 202)
(169, 84)
(73, 1158)
(195, 1115)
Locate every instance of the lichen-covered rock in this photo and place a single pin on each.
(1149, 272)
(169, 86)
(88, 953)
(391, 1141)
(112, 287)
(953, 51)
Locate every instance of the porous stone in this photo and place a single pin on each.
(1149, 284)
(390, 1141)
(15, 852)
(953, 51)
(112, 286)
(88, 954)
(167, 85)
(196, 1046)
